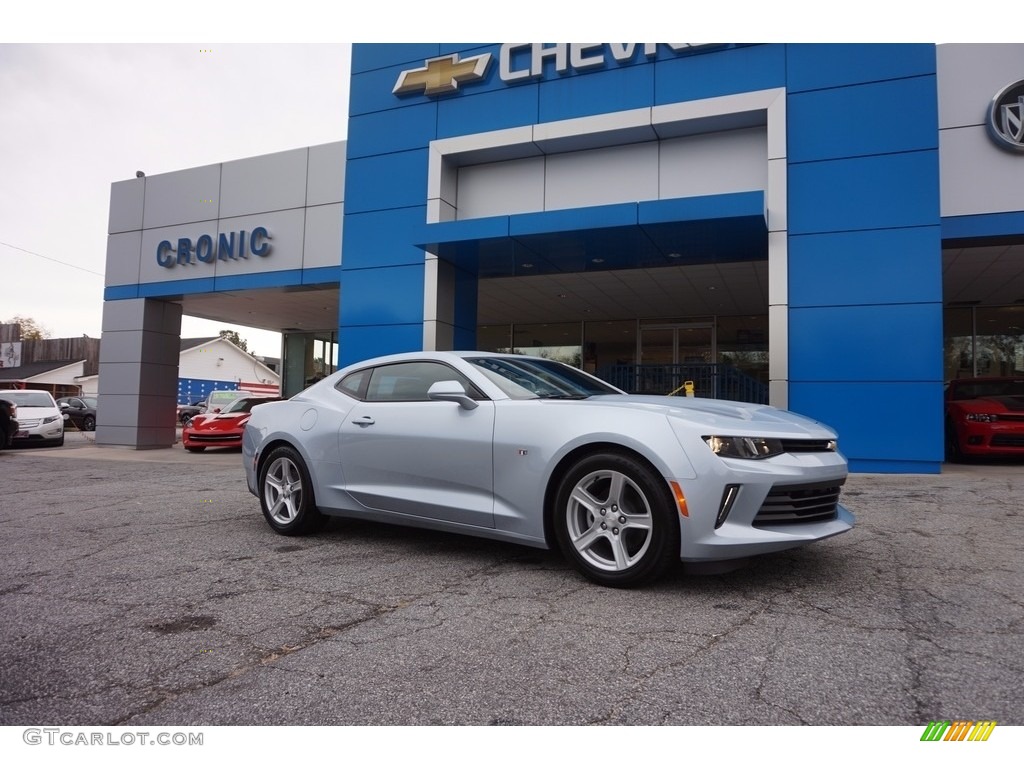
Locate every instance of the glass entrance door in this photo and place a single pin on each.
(671, 353)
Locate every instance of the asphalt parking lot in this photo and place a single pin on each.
(144, 588)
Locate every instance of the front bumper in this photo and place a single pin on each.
(773, 505)
(36, 431)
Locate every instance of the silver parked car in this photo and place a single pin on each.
(536, 452)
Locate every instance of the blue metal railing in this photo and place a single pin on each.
(715, 380)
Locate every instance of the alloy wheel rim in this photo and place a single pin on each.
(282, 491)
(609, 520)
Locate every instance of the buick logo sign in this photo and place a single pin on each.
(1006, 117)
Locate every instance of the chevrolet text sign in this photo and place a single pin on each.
(525, 61)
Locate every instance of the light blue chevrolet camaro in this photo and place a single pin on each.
(535, 452)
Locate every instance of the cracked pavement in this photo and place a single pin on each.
(145, 588)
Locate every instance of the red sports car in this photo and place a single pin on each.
(221, 430)
(984, 417)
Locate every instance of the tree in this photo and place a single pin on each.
(30, 329)
(235, 339)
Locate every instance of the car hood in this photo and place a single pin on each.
(37, 411)
(720, 415)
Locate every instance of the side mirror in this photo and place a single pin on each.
(451, 392)
(64, 406)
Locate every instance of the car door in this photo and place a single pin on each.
(75, 410)
(402, 452)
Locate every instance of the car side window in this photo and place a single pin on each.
(354, 385)
(410, 381)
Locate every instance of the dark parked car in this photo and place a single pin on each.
(81, 411)
(186, 412)
(8, 423)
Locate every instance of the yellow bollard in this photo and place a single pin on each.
(688, 386)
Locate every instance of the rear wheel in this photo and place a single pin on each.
(615, 520)
(89, 424)
(286, 494)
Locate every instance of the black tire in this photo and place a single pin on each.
(59, 441)
(195, 448)
(953, 452)
(629, 534)
(286, 494)
(89, 424)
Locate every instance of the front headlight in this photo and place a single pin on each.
(744, 447)
(987, 418)
(50, 419)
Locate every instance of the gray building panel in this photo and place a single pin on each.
(266, 183)
(182, 197)
(325, 178)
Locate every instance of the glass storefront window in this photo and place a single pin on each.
(555, 341)
(983, 341)
(608, 343)
(743, 344)
(494, 338)
(958, 344)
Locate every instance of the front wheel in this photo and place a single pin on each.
(286, 494)
(615, 521)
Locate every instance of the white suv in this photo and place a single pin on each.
(40, 421)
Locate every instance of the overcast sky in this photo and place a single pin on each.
(76, 115)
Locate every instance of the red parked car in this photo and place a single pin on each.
(221, 430)
(984, 417)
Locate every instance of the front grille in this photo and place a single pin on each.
(28, 423)
(804, 503)
(1007, 441)
(221, 438)
(807, 446)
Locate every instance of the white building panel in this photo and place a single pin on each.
(266, 183)
(182, 197)
(325, 178)
(501, 189)
(126, 204)
(714, 163)
(322, 246)
(601, 176)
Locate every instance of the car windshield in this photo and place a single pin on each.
(524, 378)
(28, 399)
(90, 402)
(970, 390)
(245, 404)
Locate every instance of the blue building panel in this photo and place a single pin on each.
(357, 343)
(480, 110)
(881, 343)
(900, 190)
(811, 66)
(704, 75)
(378, 133)
(385, 296)
(877, 118)
(592, 93)
(384, 238)
(398, 180)
(884, 266)
(367, 57)
(883, 426)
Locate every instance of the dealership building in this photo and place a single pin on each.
(836, 229)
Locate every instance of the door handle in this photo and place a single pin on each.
(363, 421)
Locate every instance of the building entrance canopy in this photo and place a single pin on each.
(657, 233)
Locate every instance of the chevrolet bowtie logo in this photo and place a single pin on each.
(442, 75)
